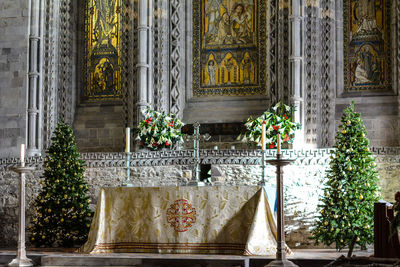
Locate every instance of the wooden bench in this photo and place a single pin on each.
(383, 247)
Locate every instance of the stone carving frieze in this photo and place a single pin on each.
(216, 157)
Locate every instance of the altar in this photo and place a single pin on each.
(234, 220)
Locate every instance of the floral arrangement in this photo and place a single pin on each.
(396, 221)
(278, 120)
(159, 130)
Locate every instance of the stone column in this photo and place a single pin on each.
(150, 91)
(34, 83)
(143, 55)
(296, 85)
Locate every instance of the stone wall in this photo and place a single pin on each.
(380, 116)
(13, 70)
(303, 181)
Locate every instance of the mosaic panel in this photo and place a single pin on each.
(229, 55)
(103, 50)
(367, 45)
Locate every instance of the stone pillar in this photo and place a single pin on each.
(143, 55)
(34, 80)
(296, 66)
(150, 90)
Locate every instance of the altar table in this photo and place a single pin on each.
(198, 220)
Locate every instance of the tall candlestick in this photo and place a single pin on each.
(128, 134)
(263, 137)
(279, 143)
(22, 153)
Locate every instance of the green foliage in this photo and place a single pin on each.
(347, 205)
(159, 130)
(62, 213)
(277, 119)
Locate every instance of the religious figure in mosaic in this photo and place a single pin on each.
(240, 23)
(228, 22)
(102, 49)
(224, 35)
(247, 70)
(368, 67)
(367, 45)
(212, 11)
(212, 68)
(106, 20)
(366, 16)
(229, 51)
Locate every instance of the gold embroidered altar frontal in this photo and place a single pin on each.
(199, 220)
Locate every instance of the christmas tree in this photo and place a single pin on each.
(62, 215)
(347, 206)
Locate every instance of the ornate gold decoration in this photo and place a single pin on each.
(229, 47)
(103, 50)
(181, 215)
(367, 45)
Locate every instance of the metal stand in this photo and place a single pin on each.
(21, 259)
(196, 155)
(262, 182)
(128, 181)
(280, 250)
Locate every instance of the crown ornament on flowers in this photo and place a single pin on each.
(159, 130)
(278, 120)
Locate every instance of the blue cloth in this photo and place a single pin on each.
(271, 196)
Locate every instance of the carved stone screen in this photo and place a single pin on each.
(102, 50)
(367, 45)
(229, 54)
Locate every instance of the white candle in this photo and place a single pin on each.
(22, 153)
(127, 144)
(279, 143)
(263, 137)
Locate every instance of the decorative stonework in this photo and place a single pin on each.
(320, 71)
(327, 89)
(272, 48)
(160, 53)
(50, 69)
(128, 72)
(66, 61)
(283, 52)
(312, 67)
(176, 16)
